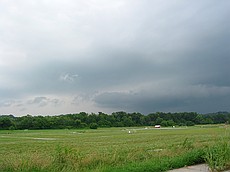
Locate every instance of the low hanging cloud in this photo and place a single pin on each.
(171, 99)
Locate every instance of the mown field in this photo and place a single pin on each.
(114, 149)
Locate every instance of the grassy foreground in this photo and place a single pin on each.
(114, 149)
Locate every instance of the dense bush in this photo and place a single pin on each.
(93, 126)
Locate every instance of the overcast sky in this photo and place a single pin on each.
(67, 56)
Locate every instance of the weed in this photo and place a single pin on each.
(66, 158)
(187, 144)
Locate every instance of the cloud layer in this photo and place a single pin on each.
(146, 56)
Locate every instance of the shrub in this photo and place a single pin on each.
(93, 126)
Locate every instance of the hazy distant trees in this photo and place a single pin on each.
(116, 119)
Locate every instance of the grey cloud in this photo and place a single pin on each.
(11, 103)
(184, 98)
(44, 101)
(6, 103)
(40, 101)
(134, 55)
(56, 102)
(78, 99)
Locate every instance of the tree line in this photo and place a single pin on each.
(116, 119)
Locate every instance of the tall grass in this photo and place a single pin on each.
(25, 163)
(218, 156)
(162, 163)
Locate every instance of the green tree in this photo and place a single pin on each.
(164, 123)
(190, 123)
(6, 123)
(159, 120)
(200, 119)
(77, 123)
(127, 121)
(104, 123)
(171, 122)
(26, 122)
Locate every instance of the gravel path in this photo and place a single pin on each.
(194, 168)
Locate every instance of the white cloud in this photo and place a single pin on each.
(68, 77)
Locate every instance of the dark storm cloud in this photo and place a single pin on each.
(120, 55)
(168, 98)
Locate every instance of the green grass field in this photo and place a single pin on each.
(113, 149)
